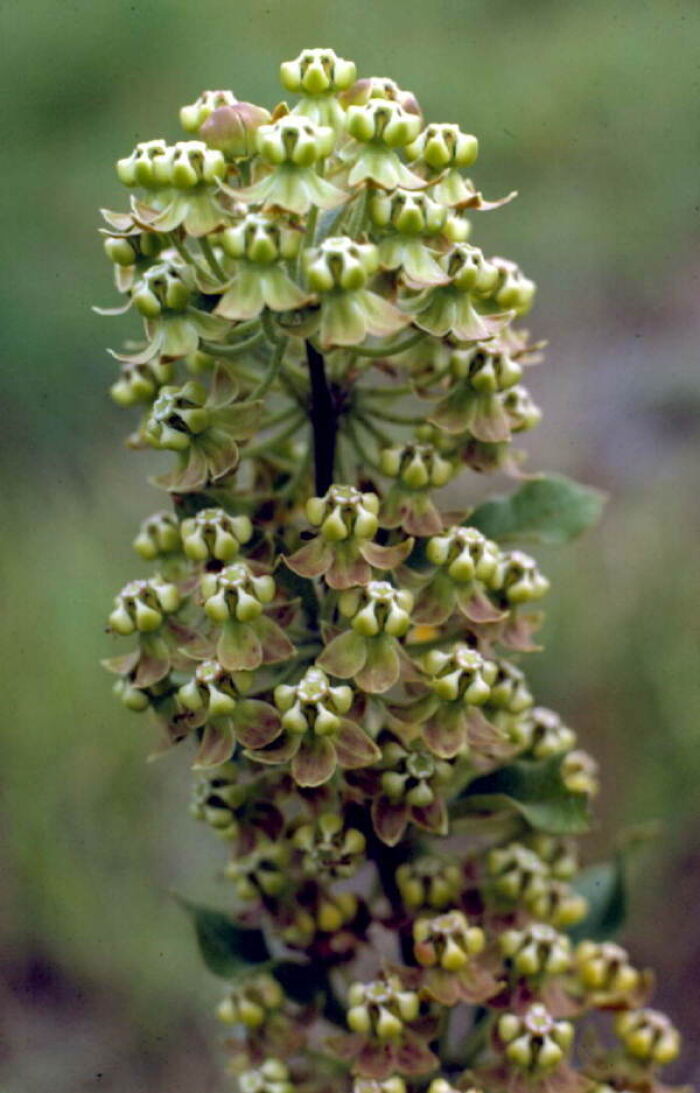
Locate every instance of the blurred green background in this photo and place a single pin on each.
(592, 111)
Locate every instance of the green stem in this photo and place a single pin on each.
(396, 419)
(212, 261)
(185, 254)
(392, 349)
(265, 445)
(272, 371)
(228, 351)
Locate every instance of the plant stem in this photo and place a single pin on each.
(324, 420)
(212, 261)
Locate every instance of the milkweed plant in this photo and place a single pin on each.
(333, 634)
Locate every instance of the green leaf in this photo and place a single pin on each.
(605, 889)
(548, 509)
(535, 790)
(226, 948)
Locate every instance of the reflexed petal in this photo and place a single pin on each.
(256, 723)
(345, 655)
(435, 603)
(311, 560)
(382, 666)
(445, 733)
(354, 747)
(239, 648)
(217, 744)
(315, 762)
(413, 1056)
(386, 557)
(475, 604)
(275, 644)
(348, 569)
(389, 819)
(433, 817)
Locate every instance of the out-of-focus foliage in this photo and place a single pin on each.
(593, 110)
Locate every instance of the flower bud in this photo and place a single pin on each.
(177, 415)
(514, 291)
(188, 163)
(165, 285)
(536, 950)
(340, 263)
(271, 1077)
(212, 689)
(232, 129)
(262, 872)
(447, 941)
(213, 534)
(467, 555)
(317, 72)
(510, 691)
(236, 592)
(344, 512)
(312, 704)
(470, 270)
(521, 580)
(380, 87)
(429, 882)
(139, 383)
(648, 1036)
(138, 169)
(408, 212)
(294, 140)
(579, 772)
(382, 122)
(517, 873)
(143, 605)
(158, 535)
(543, 732)
(377, 608)
(558, 854)
(381, 1008)
(535, 1041)
(486, 370)
(192, 116)
(416, 466)
(522, 412)
(412, 775)
(329, 847)
(460, 674)
(558, 904)
(444, 145)
(217, 798)
(252, 1002)
(605, 972)
(261, 238)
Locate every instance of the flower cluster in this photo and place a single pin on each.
(322, 352)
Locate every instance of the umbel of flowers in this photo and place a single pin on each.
(331, 633)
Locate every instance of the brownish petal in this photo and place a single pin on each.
(315, 762)
(432, 817)
(348, 569)
(386, 557)
(239, 648)
(354, 747)
(476, 606)
(375, 1060)
(445, 733)
(256, 723)
(413, 1056)
(311, 560)
(275, 644)
(345, 655)
(382, 666)
(216, 746)
(389, 819)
